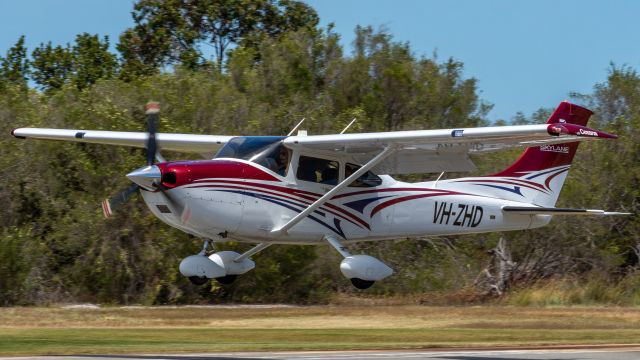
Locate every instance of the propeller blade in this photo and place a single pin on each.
(152, 109)
(108, 205)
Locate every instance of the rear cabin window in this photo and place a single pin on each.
(318, 170)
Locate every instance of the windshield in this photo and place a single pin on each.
(267, 151)
(246, 147)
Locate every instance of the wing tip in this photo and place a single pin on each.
(13, 133)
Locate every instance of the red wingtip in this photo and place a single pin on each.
(578, 130)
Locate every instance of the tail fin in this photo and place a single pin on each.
(543, 169)
(538, 175)
(551, 156)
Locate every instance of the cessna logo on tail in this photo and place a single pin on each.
(587, 132)
(555, 148)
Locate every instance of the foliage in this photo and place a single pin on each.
(170, 32)
(14, 67)
(80, 65)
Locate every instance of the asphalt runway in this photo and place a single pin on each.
(628, 353)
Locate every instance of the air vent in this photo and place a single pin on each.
(169, 178)
(164, 209)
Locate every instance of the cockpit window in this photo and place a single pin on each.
(246, 147)
(274, 157)
(267, 151)
(367, 179)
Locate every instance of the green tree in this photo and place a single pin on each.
(92, 60)
(81, 65)
(14, 67)
(170, 32)
(51, 66)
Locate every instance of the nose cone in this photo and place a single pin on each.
(147, 177)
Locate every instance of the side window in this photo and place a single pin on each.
(275, 158)
(367, 179)
(317, 170)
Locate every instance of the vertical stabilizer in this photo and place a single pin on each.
(538, 175)
(551, 156)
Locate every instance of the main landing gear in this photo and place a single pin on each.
(362, 270)
(224, 266)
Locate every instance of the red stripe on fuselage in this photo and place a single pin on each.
(547, 182)
(407, 198)
(373, 191)
(516, 182)
(303, 194)
(345, 214)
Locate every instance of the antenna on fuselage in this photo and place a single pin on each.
(295, 127)
(348, 126)
(435, 184)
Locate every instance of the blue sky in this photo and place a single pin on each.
(525, 54)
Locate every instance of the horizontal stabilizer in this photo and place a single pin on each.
(529, 210)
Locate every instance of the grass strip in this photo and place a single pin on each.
(57, 341)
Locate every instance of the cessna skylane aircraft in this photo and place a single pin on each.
(329, 188)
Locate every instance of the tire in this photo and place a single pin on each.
(197, 280)
(227, 280)
(361, 284)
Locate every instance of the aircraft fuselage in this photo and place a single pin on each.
(237, 199)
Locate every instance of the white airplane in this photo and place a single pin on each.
(324, 188)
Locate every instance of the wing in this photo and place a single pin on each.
(174, 142)
(425, 151)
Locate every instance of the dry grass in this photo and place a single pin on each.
(57, 330)
(322, 317)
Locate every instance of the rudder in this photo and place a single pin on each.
(545, 167)
(551, 156)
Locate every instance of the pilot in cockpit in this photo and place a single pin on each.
(281, 161)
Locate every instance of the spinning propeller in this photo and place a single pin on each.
(147, 177)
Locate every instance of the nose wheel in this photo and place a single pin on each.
(198, 280)
(226, 280)
(223, 266)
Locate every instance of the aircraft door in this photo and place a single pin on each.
(317, 176)
(362, 198)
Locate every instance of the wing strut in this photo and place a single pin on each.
(313, 207)
(254, 250)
